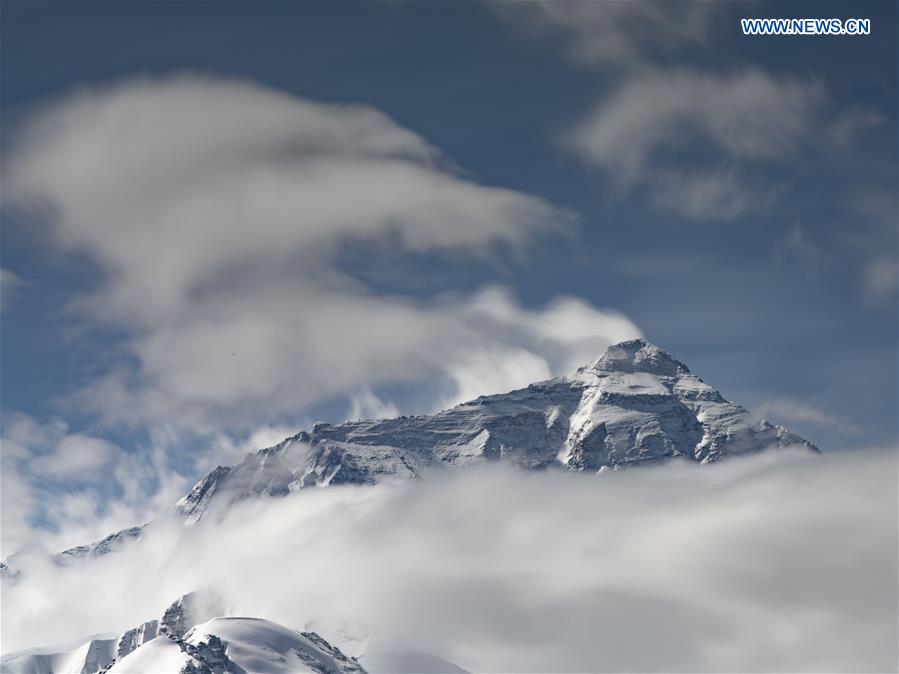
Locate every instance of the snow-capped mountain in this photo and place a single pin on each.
(237, 646)
(10, 572)
(99, 653)
(197, 635)
(635, 404)
(103, 546)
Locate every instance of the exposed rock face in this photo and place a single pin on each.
(192, 506)
(208, 657)
(136, 637)
(635, 404)
(103, 546)
(10, 572)
(223, 645)
(189, 610)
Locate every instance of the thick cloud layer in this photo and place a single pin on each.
(216, 211)
(778, 562)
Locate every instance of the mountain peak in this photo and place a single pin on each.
(638, 355)
(635, 404)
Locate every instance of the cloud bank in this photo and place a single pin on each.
(776, 562)
(216, 211)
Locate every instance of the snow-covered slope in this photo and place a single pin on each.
(9, 567)
(193, 636)
(635, 404)
(97, 653)
(84, 658)
(155, 657)
(104, 546)
(238, 645)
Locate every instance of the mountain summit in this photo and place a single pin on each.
(635, 404)
(638, 355)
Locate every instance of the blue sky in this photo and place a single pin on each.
(528, 183)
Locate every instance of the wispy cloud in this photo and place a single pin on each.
(615, 34)
(62, 488)
(701, 195)
(10, 282)
(880, 280)
(692, 139)
(847, 126)
(875, 237)
(640, 133)
(366, 405)
(788, 410)
(748, 115)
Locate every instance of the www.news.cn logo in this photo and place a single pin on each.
(806, 26)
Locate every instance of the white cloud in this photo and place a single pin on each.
(77, 457)
(862, 241)
(874, 236)
(53, 452)
(62, 488)
(615, 34)
(217, 209)
(880, 280)
(748, 115)
(497, 369)
(658, 114)
(281, 350)
(170, 183)
(701, 195)
(18, 502)
(267, 436)
(529, 345)
(689, 140)
(366, 405)
(845, 128)
(502, 570)
(787, 410)
(9, 283)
